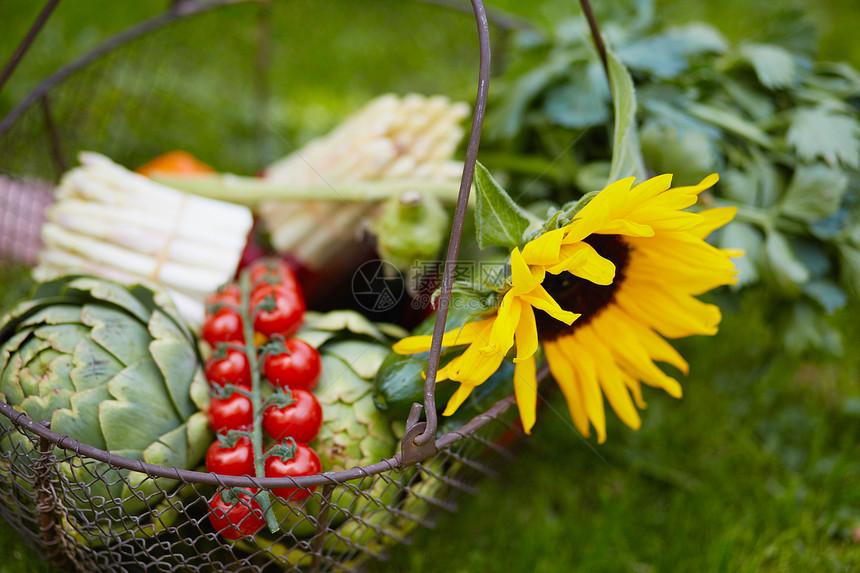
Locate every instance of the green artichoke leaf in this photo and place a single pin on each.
(315, 338)
(339, 382)
(42, 375)
(78, 421)
(363, 357)
(169, 450)
(40, 408)
(109, 292)
(31, 347)
(344, 320)
(199, 392)
(55, 373)
(54, 314)
(117, 332)
(176, 359)
(142, 410)
(63, 337)
(10, 348)
(200, 437)
(10, 383)
(154, 298)
(94, 365)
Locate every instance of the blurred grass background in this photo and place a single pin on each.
(756, 469)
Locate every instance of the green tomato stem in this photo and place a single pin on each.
(256, 400)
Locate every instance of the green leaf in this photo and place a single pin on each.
(827, 294)
(626, 154)
(582, 102)
(667, 55)
(731, 122)
(821, 133)
(498, 220)
(688, 155)
(786, 269)
(774, 66)
(849, 268)
(507, 119)
(815, 192)
(740, 235)
(808, 330)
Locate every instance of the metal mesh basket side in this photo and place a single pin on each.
(94, 516)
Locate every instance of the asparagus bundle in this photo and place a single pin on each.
(115, 224)
(391, 138)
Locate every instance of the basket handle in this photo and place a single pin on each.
(419, 441)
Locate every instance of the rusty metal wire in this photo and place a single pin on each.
(88, 515)
(86, 509)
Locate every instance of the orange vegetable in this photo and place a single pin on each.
(175, 163)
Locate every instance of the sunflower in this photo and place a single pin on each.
(600, 294)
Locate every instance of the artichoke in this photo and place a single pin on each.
(115, 368)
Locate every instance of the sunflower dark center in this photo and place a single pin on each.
(579, 295)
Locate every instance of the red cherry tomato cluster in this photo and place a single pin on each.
(291, 418)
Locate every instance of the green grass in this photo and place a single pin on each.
(755, 469)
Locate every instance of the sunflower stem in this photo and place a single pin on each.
(256, 399)
(595, 33)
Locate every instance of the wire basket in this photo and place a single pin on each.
(87, 509)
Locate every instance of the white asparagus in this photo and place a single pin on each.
(116, 224)
(391, 137)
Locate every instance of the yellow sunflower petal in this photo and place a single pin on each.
(465, 334)
(526, 334)
(646, 191)
(457, 399)
(656, 347)
(523, 277)
(635, 389)
(501, 336)
(583, 261)
(713, 219)
(544, 249)
(618, 338)
(595, 214)
(671, 316)
(571, 387)
(628, 228)
(525, 390)
(610, 378)
(706, 183)
(540, 299)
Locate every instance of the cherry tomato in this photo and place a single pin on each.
(233, 413)
(235, 520)
(235, 461)
(285, 319)
(301, 420)
(175, 162)
(223, 326)
(304, 463)
(232, 369)
(271, 269)
(228, 295)
(299, 367)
